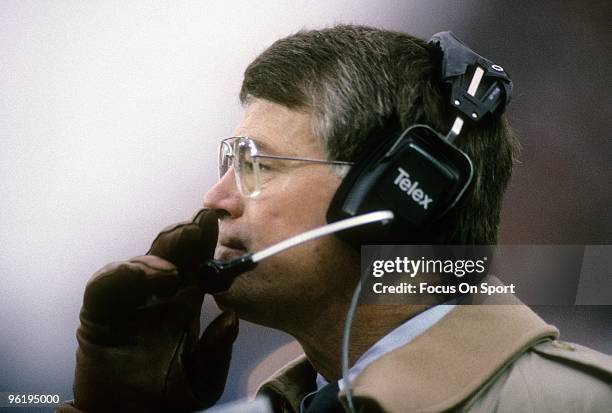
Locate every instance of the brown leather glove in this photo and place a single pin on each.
(138, 340)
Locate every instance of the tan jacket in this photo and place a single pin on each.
(485, 358)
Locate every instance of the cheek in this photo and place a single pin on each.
(290, 207)
(311, 195)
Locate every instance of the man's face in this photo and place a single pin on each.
(294, 198)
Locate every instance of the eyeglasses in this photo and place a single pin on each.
(247, 169)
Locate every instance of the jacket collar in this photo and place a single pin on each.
(440, 368)
(288, 386)
(449, 362)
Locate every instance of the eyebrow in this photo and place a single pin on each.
(265, 147)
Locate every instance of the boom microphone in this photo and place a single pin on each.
(215, 276)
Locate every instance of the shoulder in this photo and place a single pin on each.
(551, 376)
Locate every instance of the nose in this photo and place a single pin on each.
(224, 197)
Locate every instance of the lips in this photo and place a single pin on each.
(234, 243)
(230, 248)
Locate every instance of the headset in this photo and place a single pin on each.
(407, 179)
(417, 173)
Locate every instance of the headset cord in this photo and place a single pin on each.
(346, 338)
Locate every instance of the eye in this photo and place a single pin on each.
(265, 166)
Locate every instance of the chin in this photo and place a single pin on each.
(249, 305)
(236, 297)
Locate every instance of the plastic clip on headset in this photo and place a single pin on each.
(457, 61)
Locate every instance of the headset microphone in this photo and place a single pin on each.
(216, 275)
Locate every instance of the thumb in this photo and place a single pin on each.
(211, 359)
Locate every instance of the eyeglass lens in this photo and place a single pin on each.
(247, 168)
(225, 158)
(241, 153)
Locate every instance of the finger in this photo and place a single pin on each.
(211, 358)
(187, 244)
(113, 289)
(179, 244)
(161, 276)
(208, 223)
(165, 282)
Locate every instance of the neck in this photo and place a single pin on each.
(322, 339)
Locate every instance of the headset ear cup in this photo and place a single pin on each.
(419, 177)
(352, 186)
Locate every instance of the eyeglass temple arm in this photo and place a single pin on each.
(292, 158)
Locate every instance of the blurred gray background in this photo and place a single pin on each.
(110, 114)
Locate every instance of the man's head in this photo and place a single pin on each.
(319, 94)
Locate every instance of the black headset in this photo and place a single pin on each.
(418, 173)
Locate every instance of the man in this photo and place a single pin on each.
(311, 101)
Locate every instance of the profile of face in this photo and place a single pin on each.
(294, 198)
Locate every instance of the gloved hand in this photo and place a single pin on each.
(138, 340)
